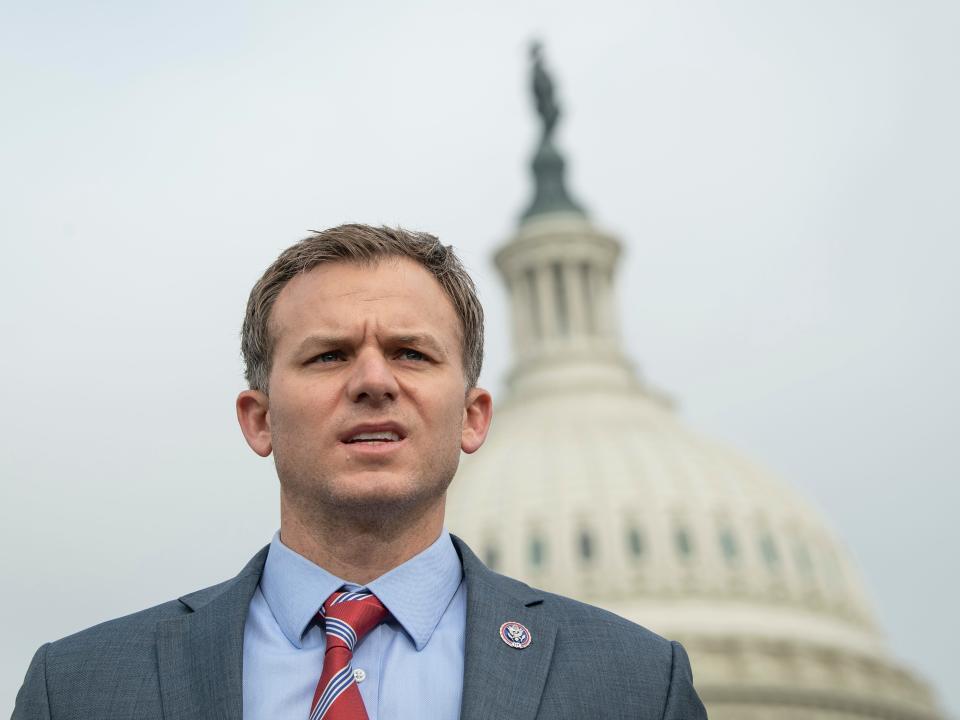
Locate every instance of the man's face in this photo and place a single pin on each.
(368, 408)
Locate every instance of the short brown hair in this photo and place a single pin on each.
(361, 244)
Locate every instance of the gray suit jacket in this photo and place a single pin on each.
(184, 660)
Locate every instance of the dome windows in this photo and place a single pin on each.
(538, 552)
(585, 545)
(635, 542)
(768, 550)
(728, 545)
(683, 542)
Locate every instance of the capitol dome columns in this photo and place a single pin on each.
(558, 269)
(559, 272)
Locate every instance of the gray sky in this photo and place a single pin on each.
(784, 177)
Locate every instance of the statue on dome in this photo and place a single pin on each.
(550, 192)
(547, 106)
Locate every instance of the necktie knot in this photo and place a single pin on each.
(349, 616)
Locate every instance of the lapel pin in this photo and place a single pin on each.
(514, 634)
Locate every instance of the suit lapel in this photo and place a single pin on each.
(500, 681)
(200, 654)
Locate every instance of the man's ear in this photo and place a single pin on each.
(253, 412)
(477, 414)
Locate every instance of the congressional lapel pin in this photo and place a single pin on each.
(515, 635)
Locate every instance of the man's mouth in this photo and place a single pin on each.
(373, 437)
(374, 434)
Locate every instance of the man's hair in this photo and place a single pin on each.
(361, 244)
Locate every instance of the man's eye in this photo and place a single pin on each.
(331, 356)
(409, 354)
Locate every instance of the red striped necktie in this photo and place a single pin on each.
(346, 618)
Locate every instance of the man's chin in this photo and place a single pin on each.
(374, 495)
(378, 496)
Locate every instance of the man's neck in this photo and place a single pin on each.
(358, 553)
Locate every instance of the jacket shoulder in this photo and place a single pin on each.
(649, 675)
(108, 666)
(129, 636)
(129, 632)
(574, 611)
(113, 665)
(126, 641)
(574, 615)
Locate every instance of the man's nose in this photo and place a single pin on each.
(372, 379)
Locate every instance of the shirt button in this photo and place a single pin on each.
(359, 675)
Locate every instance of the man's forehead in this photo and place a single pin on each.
(373, 280)
(407, 299)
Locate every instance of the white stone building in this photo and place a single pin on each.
(589, 485)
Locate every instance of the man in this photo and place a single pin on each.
(363, 347)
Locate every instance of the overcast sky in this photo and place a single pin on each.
(784, 177)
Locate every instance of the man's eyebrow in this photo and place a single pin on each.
(332, 341)
(320, 341)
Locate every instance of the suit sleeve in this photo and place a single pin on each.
(683, 703)
(32, 701)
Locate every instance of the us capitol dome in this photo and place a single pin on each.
(589, 485)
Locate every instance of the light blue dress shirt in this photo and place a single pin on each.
(413, 664)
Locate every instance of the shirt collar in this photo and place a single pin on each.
(416, 593)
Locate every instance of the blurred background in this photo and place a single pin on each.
(782, 177)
